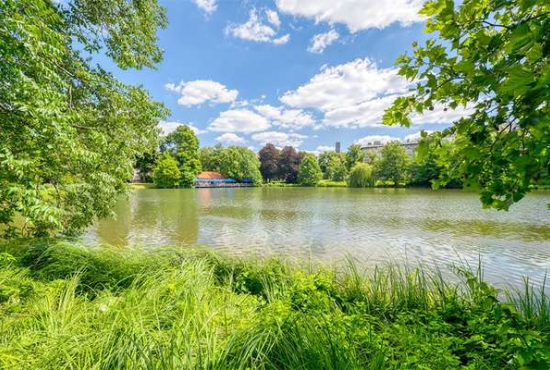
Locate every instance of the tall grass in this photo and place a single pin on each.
(63, 306)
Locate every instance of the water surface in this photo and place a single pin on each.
(372, 225)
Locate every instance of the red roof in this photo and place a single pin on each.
(210, 175)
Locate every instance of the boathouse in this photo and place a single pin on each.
(212, 179)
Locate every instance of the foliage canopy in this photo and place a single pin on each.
(166, 173)
(494, 57)
(184, 146)
(393, 164)
(354, 155)
(70, 132)
(269, 159)
(310, 172)
(240, 163)
(361, 176)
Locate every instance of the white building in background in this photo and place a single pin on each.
(376, 147)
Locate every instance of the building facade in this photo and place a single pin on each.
(376, 147)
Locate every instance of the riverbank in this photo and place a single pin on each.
(67, 306)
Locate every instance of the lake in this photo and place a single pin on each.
(374, 226)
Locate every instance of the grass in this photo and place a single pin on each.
(332, 184)
(141, 185)
(64, 306)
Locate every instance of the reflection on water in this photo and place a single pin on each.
(374, 226)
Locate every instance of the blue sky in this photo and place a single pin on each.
(301, 72)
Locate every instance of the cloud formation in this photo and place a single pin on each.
(256, 30)
(292, 119)
(168, 127)
(279, 139)
(356, 94)
(230, 139)
(357, 15)
(239, 120)
(201, 91)
(321, 41)
(208, 6)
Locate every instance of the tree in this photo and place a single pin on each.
(289, 164)
(361, 176)
(269, 159)
(324, 159)
(354, 155)
(425, 168)
(69, 131)
(184, 146)
(310, 172)
(336, 168)
(166, 173)
(372, 156)
(493, 57)
(210, 157)
(240, 163)
(145, 163)
(393, 164)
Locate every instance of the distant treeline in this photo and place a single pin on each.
(178, 160)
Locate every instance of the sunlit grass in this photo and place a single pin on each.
(69, 307)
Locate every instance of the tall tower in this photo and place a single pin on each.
(337, 147)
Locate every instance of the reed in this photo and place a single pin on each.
(65, 306)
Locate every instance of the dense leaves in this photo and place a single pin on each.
(210, 157)
(166, 173)
(269, 159)
(393, 164)
(336, 169)
(354, 155)
(184, 146)
(310, 172)
(361, 176)
(494, 57)
(240, 163)
(69, 132)
(289, 164)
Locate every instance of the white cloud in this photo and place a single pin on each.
(168, 127)
(357, 93)
(376, 139)
(281, 40)
(200, 91)
(292, 119)
(208, 6)
(324, 148)
(239, 120)
(414, 138)
(321, 149)
(279, 139)
(230, 139)
(355, 14)
(320, 41)
(273, 18)
(255, 30)
(346, 85)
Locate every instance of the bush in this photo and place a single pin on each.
(310, 172)
(166, 174)
(361, 176)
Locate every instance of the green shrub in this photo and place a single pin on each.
(166, 174)
(310, 172)
(361, 176)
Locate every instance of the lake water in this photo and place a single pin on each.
(372, 225)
